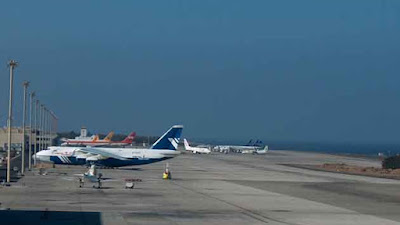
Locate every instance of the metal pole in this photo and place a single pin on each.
(26, 84)
(54, 124)
(51, 125)
(41, 127)
(54, 128)
(47, 128)
(12, 64)
(32, 94)
(43, 130)
(36, 132)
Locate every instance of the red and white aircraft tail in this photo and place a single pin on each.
(129, 139)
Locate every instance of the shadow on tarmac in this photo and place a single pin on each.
(23, 217)
(133, 169)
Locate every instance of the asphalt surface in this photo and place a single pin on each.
(208, 189)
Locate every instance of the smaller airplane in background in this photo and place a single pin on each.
(251, 148)
(262, 151)
(127, 141)
(94, 141)
(195, 150)
(79, 139)
(91, 175)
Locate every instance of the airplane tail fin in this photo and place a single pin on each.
(129, 139)
(266, 148)
(170, 139)
(92, 171)
(95, 138)
(109, 136)
(186, 144)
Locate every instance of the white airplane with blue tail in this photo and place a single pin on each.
(164, 148)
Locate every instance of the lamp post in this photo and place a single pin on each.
(26, 85)
(46, 126)
(36, 131)
(41, 127)
(54, 118)
(32, 95)
(12, 64)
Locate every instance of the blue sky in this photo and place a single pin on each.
(306, 70)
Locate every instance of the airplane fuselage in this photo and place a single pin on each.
(75, 156)
(199, 150)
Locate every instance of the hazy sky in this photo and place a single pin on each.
(306, 70)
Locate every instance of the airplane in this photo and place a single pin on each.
(94, 141)
(79, 138)
(91, 175)
(127, 141)
(164, 148)
(245, 149)
(97, 179)
(195, 149)
(262, 151)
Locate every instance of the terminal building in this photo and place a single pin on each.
(17, 134)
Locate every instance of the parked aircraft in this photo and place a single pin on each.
(95, 141)
(255, 148)
(127, 141)
(164, 148)
(79, 139)
(195, 149)
(262, 151)
(91, 175)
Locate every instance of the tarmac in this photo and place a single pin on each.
(208, 189)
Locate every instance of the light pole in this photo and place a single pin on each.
(50, 127)
(46, 126)
(41, 127)
(26, 85)
(12, 64)
(36, 131)
(53, 124)
(32, 95)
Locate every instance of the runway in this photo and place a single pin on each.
(209, 189)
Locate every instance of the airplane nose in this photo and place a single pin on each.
(42, 158)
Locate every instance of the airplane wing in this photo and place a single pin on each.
(102, 153)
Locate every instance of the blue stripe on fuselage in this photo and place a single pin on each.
(69, 161)
(110, 162)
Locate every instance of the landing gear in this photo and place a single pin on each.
(81, 182)
(98, 184)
